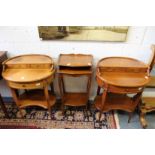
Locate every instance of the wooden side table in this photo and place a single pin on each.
(74, 65)
(148, 104)
(119, 76)
(32, 73)
(3, 57)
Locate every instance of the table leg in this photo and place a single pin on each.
(89, 84)
(15, 97)
(3, 107)
(47, 99)
(98, 90)
(52, 87)
(88, 94)
(137, 99)
(26, 91)
(136, 102)
(61, 92)
(88, 91)
(143, 120)
(130, 116)
(104, 95)
(63, 84)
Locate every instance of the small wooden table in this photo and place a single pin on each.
(74, 65)
(119, 76)
(148, 104)
(30, 73)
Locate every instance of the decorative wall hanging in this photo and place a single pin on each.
(94, 33)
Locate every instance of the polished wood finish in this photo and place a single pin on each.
(28, 68)
(74, 65)
(31, 85)
(30, 73)
(75, 60)
(35, 98)
(124, 79)
(75, 99)
(148, 103)
(119, 76)
(124, 63)
(116, 102)
(3, 57)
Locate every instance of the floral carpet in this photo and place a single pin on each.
(73, 118)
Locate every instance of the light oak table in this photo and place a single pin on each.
(32, 73)
(148, 104)
(74, 65)
(120, 76)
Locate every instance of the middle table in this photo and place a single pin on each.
(74, 65)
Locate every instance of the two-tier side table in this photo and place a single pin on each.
(118, 77)
(33, 74)
(74, 65)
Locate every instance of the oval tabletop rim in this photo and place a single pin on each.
(28, 71)
(44, 55)
(129, 58)
(111, 82)
(119, 81)
(26, 68)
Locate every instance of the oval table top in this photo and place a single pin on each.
(118, 73)
(121, 62)
(29, 59)
(26, 75)
(28, 68)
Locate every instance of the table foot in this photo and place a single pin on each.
(130, 116)
(50, 112)
(100, 114)
(21, 113)
(143, 120)
(62, 108)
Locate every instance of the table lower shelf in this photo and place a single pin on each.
(75, 99)
(35, 98)
(115, 102)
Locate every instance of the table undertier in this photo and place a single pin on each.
(35, 98)
(115, 102)
(75, 99)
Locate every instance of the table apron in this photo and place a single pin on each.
(117, 89)
(31, 85)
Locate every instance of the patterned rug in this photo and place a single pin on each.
(74, 118)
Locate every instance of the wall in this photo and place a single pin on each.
(24, 40)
